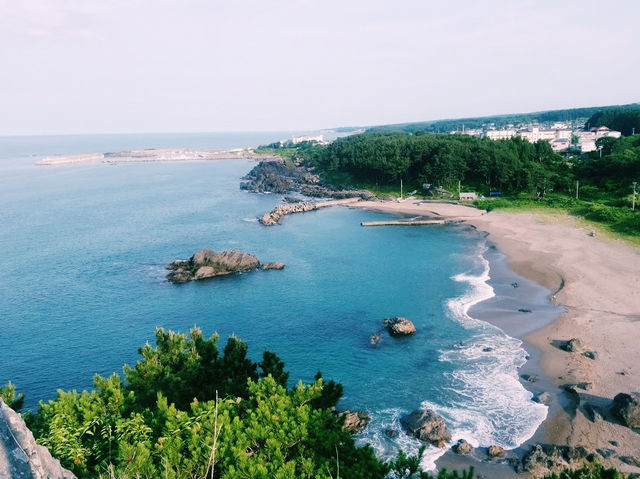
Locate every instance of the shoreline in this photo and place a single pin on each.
(594, 279)
(155, 155)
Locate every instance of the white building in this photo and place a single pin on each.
(300, 139)
(501, 134)
(468, 196)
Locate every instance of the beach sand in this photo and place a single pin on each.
(597, 281)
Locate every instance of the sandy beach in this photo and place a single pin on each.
(596, 279)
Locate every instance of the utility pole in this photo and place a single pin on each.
(400, 188)
(633, 130)
(458, 189)
(577, 186)
(633, 202)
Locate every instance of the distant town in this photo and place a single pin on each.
(560, 135)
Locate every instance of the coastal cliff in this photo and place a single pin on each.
(20, 456)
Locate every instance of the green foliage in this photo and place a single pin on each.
(588, 471)
(165, 421)
(443, 160)
(623, 119)
(9, 396)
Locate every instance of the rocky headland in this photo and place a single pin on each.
(277, 176)
(207, 264)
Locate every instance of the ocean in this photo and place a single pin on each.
(85, 245)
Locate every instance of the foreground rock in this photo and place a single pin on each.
(399, 326)
(626, 407)
(354, 421)
(20, 456)
(270, 219)
(544, 459)
(207, 264)
(427, 426)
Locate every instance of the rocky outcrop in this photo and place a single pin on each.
(427, 426)
(496, 451)
(626, 407)
(543, 398)
(274, 177)
(272, 265)
(399, 326)
(20, 456)
(207, 264)
(281, 177)
(354, 421)
(544, 459)
(462, 447)
(270, 219)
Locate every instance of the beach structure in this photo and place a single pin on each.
(469, 196)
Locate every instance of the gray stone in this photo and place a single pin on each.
(496, 451)
(462, 447)
(427, 426)
(399, 326)
(574, 345)
(626, 407)
(354, 421)
(22, 457)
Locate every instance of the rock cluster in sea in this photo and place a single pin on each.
(272, 218)
(207, 264)
(399, 326)
(21, 456)
(426, 425)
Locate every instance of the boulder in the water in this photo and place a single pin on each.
(427, 426)
(399, 326)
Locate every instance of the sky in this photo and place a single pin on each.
(132, 66)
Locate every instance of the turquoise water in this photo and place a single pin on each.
(84, 249)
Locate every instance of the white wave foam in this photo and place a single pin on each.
(488, 404)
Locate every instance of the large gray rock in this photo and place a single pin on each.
(20, 456)
(354, 421)
(207, 264)
(427, 426)
(574, 345)
(626, 407)
(462, 447)
(399, 326)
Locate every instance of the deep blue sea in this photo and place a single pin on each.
(83, 286)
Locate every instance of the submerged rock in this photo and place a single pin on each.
(21, 456)
(391, 433)
(399, 326)
(427, 426)
(374, 339)
(626, 407)
(354, 421)
(543, 398)
(208, 264)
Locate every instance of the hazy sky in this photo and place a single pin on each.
(109, 66)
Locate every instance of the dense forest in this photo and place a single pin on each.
(521, 173)
(623, 119)
(499, 121)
